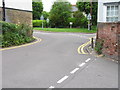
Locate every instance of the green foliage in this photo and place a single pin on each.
(99, 47)
(14, 34)
(8, 27)
(38, 23)
(37, 10)
(86, 6)
(80, 20)
(45, 14)
(59, 14)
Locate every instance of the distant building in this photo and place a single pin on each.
(74, 8)
(18, 11)
(109, 27)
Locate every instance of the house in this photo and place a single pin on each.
(109, 27)
(17, 11)
(74, 8)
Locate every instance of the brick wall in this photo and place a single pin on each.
(19, 16)
(109, 33)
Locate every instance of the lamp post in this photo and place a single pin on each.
(71, 24)
(89, 18)
(3, 8)
(47, 22)
(42, 18)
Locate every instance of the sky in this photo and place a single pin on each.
(18, 4)
(47, 4)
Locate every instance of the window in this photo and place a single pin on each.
(112, 14)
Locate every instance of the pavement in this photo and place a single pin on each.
(54, 62)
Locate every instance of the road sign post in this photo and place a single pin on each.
(47, 22)
(89, 23)
(42, 18)
(71, 24)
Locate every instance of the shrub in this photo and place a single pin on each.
(8, 27)
(80, 20)
(13, 34)
(38, 23)
(99, 47)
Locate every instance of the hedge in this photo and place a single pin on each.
(38, 23)
(13, 34)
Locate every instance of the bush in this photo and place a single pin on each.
(80, 20)
(38, 23)
(99, 47)
(13, 34)
(8, 27)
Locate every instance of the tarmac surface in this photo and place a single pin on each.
(55, 63)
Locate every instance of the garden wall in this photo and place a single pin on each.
(19, 16)
(0, 14)
(109, 34)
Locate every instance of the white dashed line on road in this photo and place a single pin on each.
(64, 78)
(113, 60)
(88, 60)
(81, 64)
(74, 70)
(51, 87)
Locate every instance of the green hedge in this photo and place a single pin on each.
(13, 34)
(38, 23)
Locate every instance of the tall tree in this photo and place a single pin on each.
(80, 19)
(86, 6)
(60, 13)
(45, 14)
(37, 9)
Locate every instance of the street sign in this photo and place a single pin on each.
(47, 20)
(41, 18)
(89, 16)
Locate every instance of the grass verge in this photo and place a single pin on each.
(80, 30)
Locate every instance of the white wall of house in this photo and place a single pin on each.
(102, 9)
(0, 3)
(18, 4)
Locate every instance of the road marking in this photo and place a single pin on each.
(88, 60)
(51, 87)
(81, 48)
(64, 78)
(113, 60)
(38, 40)
(81, 64)
(76, 69)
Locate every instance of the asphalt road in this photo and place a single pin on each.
(55, 63)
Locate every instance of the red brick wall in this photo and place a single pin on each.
(109, 32)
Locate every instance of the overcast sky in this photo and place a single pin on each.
(48, 3)
(27, 4)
